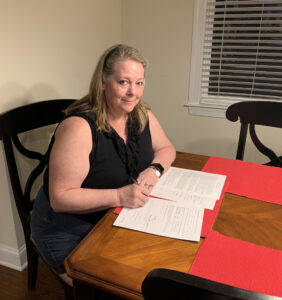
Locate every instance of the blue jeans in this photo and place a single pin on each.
(57, 234)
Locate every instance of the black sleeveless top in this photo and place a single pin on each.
(113, 163)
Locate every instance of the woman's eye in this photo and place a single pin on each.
(122, 82)
(141, 83)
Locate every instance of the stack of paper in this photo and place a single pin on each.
(190, 187)
(176, 206)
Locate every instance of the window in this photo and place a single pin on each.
(236, 54)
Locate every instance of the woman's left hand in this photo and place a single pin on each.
(148, 179)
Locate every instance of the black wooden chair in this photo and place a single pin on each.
(253, 113)
(12, 123)
(164, 284)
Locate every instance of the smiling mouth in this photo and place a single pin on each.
(128, 101)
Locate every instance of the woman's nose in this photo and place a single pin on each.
(131, 89)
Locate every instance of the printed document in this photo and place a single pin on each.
(189, 186)
(165, 218)
(176, 206)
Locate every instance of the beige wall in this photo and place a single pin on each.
(48, 50)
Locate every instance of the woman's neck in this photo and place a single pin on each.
(118, 123)
(116, 119)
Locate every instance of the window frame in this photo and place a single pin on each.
(199, 104)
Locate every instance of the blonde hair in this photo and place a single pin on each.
(95, 100)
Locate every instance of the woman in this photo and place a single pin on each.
(109, 151)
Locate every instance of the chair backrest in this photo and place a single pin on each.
(167, 284)
(251, 113)
(20, 120)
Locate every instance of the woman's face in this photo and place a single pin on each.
(124, 88)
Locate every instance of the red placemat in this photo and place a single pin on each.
(240, 264)
(248, 179)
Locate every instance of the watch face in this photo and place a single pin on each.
(158, 169)
(158, 173)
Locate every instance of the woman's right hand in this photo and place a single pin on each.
(132, 196)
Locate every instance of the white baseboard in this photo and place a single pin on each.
(13, 258)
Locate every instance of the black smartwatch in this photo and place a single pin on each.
(159, 169)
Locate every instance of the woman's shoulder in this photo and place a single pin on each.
(151, 117)
(74, 125)
(79, 119)
(73, 120)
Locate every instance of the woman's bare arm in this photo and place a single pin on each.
(68, 167)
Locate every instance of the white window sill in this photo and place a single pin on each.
(207, 111)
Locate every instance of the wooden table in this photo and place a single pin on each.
(117, 260)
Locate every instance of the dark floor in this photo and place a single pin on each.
(13, 285)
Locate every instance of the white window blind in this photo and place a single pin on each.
(241, 55)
